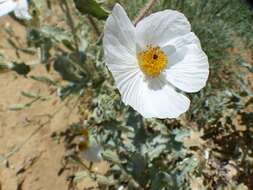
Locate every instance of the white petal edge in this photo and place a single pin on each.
(119, 46)
(162, 103)
(121, 28)
(189, 68)
(22, 10)
(172, 48)
(153, 98)
(6, 7)
(161, 27)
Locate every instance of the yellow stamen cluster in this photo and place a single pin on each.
(152, 61)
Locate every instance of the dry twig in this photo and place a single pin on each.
(144, 11)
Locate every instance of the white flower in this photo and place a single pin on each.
(20, 8)
(92, 153)
(121, 187)
(90, 150)
(152, 59)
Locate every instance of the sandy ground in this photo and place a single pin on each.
(33, 157)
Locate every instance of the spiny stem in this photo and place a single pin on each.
(71, 22)
(144, 11)
(94, 25)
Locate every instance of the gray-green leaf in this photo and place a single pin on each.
(91, 7)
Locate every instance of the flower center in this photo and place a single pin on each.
(152, 61)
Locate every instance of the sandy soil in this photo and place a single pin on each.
(29, 158)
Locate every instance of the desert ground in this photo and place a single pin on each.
(29, 157)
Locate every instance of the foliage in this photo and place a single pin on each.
(91, 7)
(208, 148)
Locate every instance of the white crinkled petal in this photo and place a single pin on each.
(7, 6)
(174, 54)
(188, 68)
(22, 10)
(119, 48)
(160, 100)
(180, 41)
(154, 98)
(161, 27)
(121, 28)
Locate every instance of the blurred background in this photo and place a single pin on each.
(54, 85)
